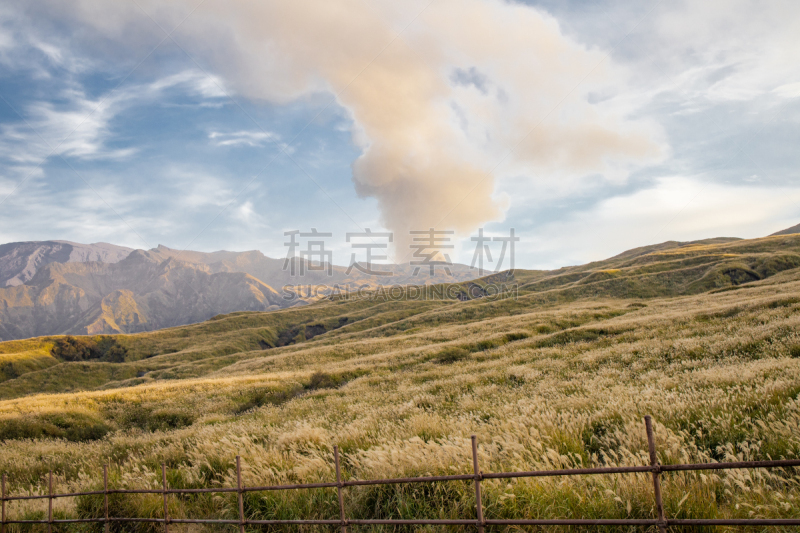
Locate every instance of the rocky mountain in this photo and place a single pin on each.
(19, 261)
(139, 293)
(56, 287)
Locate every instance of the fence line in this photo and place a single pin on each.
(662, 522)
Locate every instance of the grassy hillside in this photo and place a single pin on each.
(702, 336)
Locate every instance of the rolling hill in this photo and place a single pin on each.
(551, 369)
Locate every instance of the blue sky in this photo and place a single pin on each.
(599, 128)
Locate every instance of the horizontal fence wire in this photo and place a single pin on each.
(656, 469)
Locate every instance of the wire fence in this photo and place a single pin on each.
(480, 522)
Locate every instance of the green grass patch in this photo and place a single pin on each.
(71, 426)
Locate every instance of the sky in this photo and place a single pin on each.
(587, 128)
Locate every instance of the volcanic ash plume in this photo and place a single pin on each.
(444, 97)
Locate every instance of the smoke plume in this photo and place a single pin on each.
(445, 97)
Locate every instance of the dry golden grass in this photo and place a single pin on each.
(544, 385)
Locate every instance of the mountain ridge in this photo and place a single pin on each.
(19, 261)
(158, 288)
(163, 287)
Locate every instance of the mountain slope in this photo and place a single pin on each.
(789, 231)
(19, 261)
(138, 293)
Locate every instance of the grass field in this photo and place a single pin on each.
(704, 337)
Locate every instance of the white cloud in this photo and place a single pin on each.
(245, 211)
(77, 128)
(6, 188)
(80, 127)
(246, 138)
(247, 215)
(719, 51)
(196, 81)
(24, 46)
(197, 189)
(675, 208)
(102, 212)
(788, 90)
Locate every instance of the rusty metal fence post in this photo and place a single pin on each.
(651, 444)
(50, 505)
(478, 477)
(105, 497)
(3, 529)
(239, 493)
(339, 487)
(164, 492)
